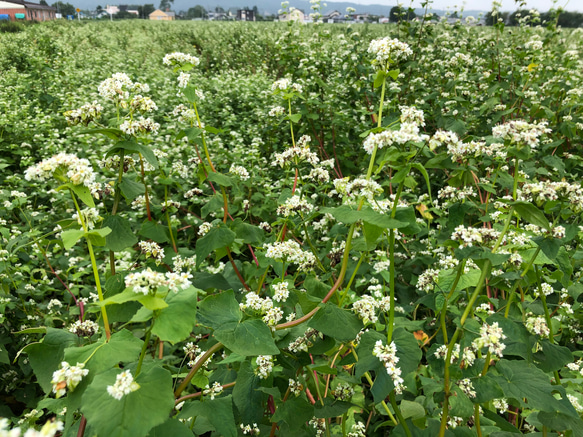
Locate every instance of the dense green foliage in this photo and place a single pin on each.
(299, 237)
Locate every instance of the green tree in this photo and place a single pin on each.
(145, 10)
(197, 12)
(98, 9)
(43, 2)
(64, 8)
(491, 17)
(125, 15)
(165, 4)
(399, 13)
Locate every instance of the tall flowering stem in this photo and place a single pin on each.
(94, 267)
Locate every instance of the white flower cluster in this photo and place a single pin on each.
(78, 170)
(86, 328)
(386, 51)
(240, 171)
(116, 88)
(538, 326)
(319, 425)
(468, 356)
(304, 342)
(469, 236)
(410, 114)
(427, 280)
(547, 191)
(89, 216)
(264, 366)
(575, 402)
(152, 249)
(204, 228)
(408, 131)
(183, 79)
(521, 132)
(293, 205)
(181, 59)
(280, 291)
(140, 126)
(353, 190)
(213, 391)
(286, 85)
(343, 391)
(148, 281)
(467, 387)
(491, 336)
(388, 356)
(357, 430)
(85, 114)
(185, 114)
(455, 194)
(49, 429)
(444, 137)
(249, 430)
(142, 104)
(367, 306)
(276, 111)
(295, 387)
(124, 385)
(67, 378)
(299, 153)
(291, 252)
(500, 404)
(533, 45)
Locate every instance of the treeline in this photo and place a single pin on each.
(520, 17)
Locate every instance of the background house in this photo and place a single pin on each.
(24, 10)
(162, 16)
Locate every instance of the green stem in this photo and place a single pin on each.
(399, 414)
(214, 348)
(116, 201)
(543, 299)
(379, 123)
(351, 280)
(168, 219)
(94, 267)
(144, 349)
(515, 185)
(291, 125)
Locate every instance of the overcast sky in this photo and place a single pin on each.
(507, 5)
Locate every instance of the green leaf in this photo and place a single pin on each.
(250, 338)
(83, 193)
(343, 325)
(529, 212)
(205, 281)
(172, 427)
(218, 411)
(347, 215)
(379, 78)
(97, 236)
(394, 74)
(175, 322)
(520, 380)
(331, 408)
(371, 235)
(218, 237)
(246, 396)
(114, 134)
(552, 357)
(221, 179)
(248, 233)
(294, 118)
(153, 231)
(71, 237)
(412, 410)
(446, 278)
(152, 303)
(135, 413)
(190, 93)
(46, 357)
(122, 347)
(131, 189)
(294, 411)
(219, 309)
(549, 246)
(486, 389)
(121, 236)
(135, 147)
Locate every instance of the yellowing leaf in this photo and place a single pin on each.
(422, 208)
(532, 67)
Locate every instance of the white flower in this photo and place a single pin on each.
(264, 366)
(124, 384)
(386, 51)
(67, 378)
(182, 59)
(388, 356)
